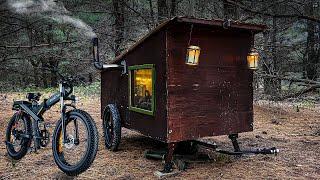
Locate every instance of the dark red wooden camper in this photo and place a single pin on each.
(187, 102)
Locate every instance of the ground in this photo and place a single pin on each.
(296, 134)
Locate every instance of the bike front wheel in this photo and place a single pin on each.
(77, 153)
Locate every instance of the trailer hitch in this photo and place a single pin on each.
(263, 151)
(237, 150)
(180, 160)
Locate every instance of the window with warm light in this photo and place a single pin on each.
(141, 88)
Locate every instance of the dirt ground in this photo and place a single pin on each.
(296, 134)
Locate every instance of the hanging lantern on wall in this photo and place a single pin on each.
(193, 53)
(252, 59)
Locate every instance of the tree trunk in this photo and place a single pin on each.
(230, 11)
(191, 10)
(173, 8)
(275, 60)
(118, 8)
(162, 10)
(90, 78)
(54, 66)
(151, 13)
(312, 58)
(272, 86)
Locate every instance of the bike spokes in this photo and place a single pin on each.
(75, 153)
(75, 146)
(16, 138)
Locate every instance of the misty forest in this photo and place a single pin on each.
(41, 39)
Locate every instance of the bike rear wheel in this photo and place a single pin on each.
(77, 154)
(17, 140)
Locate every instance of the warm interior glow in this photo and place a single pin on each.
(142, 88)
(252, 60)
(193, 53)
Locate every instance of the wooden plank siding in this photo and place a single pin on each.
(215, 97)
(114, 89)
(211, 99)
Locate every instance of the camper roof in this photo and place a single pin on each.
(254, 28)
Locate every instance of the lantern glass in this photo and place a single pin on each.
(193, 53)
(252, 60)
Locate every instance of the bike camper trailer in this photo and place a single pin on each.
(188, 78)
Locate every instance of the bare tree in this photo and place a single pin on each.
(313, 42)
(118, 8)
(163, 10)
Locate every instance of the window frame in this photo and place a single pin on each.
(153, 78)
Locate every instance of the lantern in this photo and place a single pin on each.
(193, 53)
(252, 59)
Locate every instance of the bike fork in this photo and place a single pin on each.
(62, 111)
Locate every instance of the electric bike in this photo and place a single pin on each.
(75, 138)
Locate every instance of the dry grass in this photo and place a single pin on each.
(295, 133)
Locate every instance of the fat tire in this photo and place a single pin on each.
(93, 141)
(26, 142)
(113, 143)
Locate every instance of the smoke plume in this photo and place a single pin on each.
(50, 9)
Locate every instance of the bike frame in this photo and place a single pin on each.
(36, 110)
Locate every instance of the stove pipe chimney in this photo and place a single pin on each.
(96, 60)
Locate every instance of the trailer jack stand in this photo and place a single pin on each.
(233, 138)
(168, 166)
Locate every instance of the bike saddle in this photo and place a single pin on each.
(15, 103)
(33, 96)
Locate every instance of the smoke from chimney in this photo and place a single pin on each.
(50, 9)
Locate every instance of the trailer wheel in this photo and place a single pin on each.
(111, 127)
